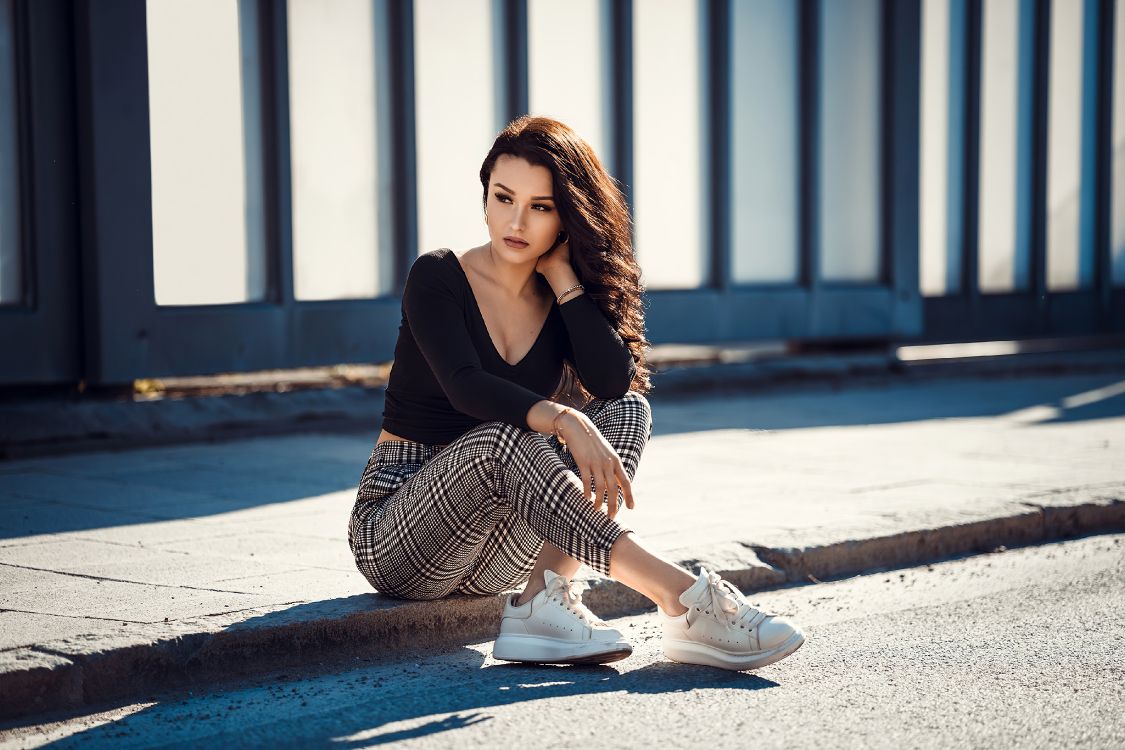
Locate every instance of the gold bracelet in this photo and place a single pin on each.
(555, 427)
(576, 287)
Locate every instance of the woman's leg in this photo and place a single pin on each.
(649, 574)
(423, 540)
(507, 555)
(626, 423)
(555, 560)
(446, 529)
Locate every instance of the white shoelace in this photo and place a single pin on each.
(726, 599)
(570, 597)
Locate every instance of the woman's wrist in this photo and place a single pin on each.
(568, 425)
(561, 278)
(556, 430)
(552, 418)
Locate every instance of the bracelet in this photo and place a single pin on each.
(574, 288)
(555, 427)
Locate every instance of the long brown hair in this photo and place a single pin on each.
(593, 212)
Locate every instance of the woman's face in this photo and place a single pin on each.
(523, 222)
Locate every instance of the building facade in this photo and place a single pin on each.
(199, 186)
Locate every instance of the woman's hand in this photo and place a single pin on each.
(555, 260)
(599, 467)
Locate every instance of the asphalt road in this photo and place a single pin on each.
(1020, 648)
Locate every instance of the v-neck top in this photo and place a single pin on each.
(447, 376)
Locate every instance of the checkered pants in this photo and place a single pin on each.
(471, 516)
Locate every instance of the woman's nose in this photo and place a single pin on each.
(517, 217)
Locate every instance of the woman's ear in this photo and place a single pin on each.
(563, 237)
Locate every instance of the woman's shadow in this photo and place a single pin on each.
(369, 705)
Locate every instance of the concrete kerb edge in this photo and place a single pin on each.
(68, 427)
(1039, 525)
(119, 675)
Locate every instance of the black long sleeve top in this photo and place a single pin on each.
(448, 377)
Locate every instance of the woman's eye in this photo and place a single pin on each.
(543, 207)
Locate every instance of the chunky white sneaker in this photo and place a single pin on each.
(555, 627)
(721, 629)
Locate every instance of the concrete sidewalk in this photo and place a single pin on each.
(126, 573)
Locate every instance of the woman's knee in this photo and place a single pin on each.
(498, 443)
(633, 408)
(497, 433)
(638, 403)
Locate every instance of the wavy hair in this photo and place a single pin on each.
(593, 212)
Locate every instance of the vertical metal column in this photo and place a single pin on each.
(45, 326)
(402, 128)
(970, 194)
(1098, 155)
(901, 154)
(511, 59)
(114, 188)
(277, 177)
(621, 94)
(1040, 50)
(955, 126)
(24, 167)
(808, 208)
(717, 109)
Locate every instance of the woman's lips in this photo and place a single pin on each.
(517, 244)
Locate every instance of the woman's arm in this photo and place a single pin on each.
(599, 467)
(603, 361)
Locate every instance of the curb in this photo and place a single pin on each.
(865, 369)
(52, 682)
(55, 426)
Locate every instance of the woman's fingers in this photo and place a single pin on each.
(609, 484)
(626, 486)
(590, 488)
(604, 481)
(583, 474)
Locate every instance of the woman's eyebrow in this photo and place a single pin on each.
(534, 197)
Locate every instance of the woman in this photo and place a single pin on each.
(484, 475)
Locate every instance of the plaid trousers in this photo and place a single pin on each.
(472, 516)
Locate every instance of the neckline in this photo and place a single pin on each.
(488, 333)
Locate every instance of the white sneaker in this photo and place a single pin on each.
(720, 629)
(555, 627)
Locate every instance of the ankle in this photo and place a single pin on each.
(672, 607)
(669, 600)
(527, 594)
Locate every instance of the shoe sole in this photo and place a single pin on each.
(689, 652)
(530, 649)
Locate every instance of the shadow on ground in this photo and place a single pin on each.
(388, 703)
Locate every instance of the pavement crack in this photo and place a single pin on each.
(91, 577)
(267, 610)
(77, 617)
(259, 575)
